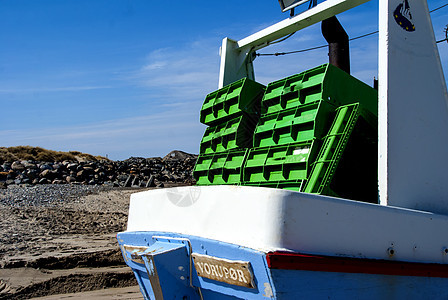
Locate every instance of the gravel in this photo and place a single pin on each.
(46, 195)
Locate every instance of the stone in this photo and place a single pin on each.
(178, 155)
(135, 181)
(11, 174)
(122, 177)
(81, 174)
(17, 166)
(32, 173)
(45, 166)
(29, 164)
(46, 174)
(128, 181)
(70, 179)
(6, 166)
(150, 182)
(72, 166)
(3, 185)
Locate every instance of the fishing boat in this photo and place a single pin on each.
(316, 186)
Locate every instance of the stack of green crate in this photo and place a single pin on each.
(326, 82)
(231, 114)
(296, 114)
(313, 132)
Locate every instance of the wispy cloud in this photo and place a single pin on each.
(187, 72)
(174, 80)
(147, 135)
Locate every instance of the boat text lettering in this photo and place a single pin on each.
(224, 270)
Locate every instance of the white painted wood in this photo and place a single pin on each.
(271, 219)
(383, 79)
(413, 113)
(309, 17)
(235, 62)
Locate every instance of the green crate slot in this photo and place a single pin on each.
(231, 134)
(333, 146)
(279, 163)
(219, 168)
(325, 82)
(294, 90)
(292, 185)
(242, 96)
(294, 125)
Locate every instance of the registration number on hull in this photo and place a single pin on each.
(229, 271)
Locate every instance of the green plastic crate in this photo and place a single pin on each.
(325, 82)
(299, 124)
(292, 185)
(333, 146)
(356, 174)
(242, 96)
(293, 91)
(231, 134)
(279, 163)
(219, 168)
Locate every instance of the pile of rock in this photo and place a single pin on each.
(177, 166)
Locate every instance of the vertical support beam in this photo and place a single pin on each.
(338, 43)
(235, 63)
(413, 110)
(383, 49)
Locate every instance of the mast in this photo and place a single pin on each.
(413, 110)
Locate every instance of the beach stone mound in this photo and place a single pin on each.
(176, 167)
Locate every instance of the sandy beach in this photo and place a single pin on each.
(64, 249)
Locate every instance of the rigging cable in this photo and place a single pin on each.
(323, 46)
(313, 48)
(283, 39)
(438, 8)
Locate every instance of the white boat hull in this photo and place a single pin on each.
(181, 241)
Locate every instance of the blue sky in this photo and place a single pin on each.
(128, 77)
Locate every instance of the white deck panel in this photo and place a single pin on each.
(271, 219)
